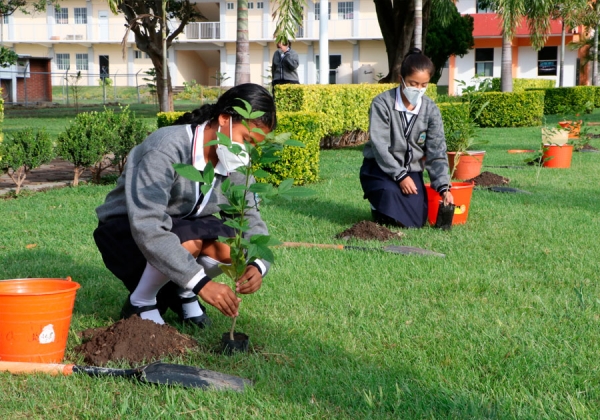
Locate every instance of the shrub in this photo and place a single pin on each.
(23, 151)
(129, 132)
(86, 141)
(575, 97)
(510, 109)
(346, 105)
(164, 119)
(520, 85)
(456, 117)
(596, 96)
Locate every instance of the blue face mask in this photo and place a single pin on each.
(413, 94)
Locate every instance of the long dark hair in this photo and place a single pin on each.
(415, 61)
(257, 96)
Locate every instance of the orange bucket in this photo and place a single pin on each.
(35, 316)
(461, 191)
(557, 156)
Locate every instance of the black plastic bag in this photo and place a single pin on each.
(445, 215)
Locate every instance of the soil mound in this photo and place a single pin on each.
(134, 340)
(489, 179)
(368, 230)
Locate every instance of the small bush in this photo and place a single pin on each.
(23, 151)
(456, 117)
(129, 132)
(165, 119)
(575, 97)
(510, 109)
(520, 85)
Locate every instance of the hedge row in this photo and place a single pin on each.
(575, 97)
(509, 109)
(520, 85)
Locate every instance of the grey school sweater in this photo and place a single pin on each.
(150, 192)
(388, 146)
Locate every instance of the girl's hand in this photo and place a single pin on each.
(221, 297)
(407, 185)
(448, 198)
(250, 281)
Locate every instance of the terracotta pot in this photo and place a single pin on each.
(468, 166)
(461, 191)
(574, 128)
(557, 156)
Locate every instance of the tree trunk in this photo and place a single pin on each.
(561, 74)
(419, 24)
(165, 104)
(242, 45)
(595, 79)
(506, 72)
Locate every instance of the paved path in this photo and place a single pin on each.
(58, 173)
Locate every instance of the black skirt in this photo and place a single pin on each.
(123, 258)
(386, 197)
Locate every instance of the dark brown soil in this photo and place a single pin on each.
(488, 179)
(134, 340)
(588, 148)
(368, 230)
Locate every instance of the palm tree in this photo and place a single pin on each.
(537, 14)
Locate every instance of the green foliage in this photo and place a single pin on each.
(596, 96)
(510, 109)
(519, 85)
(197, 92)
(450, 34)
(576, 97)
(299, 163)
(129, 131)
(7, 57)
(105, 81)
(165, 119)
(457, 120)
(23, 151)
(347, 106)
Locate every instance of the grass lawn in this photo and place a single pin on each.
(506, 326)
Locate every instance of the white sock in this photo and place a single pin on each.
(190, 309)
(153, 315)
(145, 293)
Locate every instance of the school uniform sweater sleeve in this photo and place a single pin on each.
(290, 60)
(380, 128)
(436, 160)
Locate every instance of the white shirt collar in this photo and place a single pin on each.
(399, 106)
(198, 152)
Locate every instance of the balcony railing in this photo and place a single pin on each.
(203, 30)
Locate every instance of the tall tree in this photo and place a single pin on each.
(145, 19)
(571, 14)
(448, 35)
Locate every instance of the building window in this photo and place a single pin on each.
(230, 6)
(484, 62)
(81, 15)
(483, 8)
(318, 11)
(81, 61)
(547, 61)
(5, 18)
(137, 54)
(63, 61)
(260, 5)
(335, 61)
(345, 10)
(62, 15)
(250, 5)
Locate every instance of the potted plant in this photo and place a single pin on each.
(465, 163)
(244, 250)
(571, 117)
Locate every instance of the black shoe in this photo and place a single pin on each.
(130, 310)
(201, 321)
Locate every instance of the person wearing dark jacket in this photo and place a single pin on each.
(406, 136)
(285, 65)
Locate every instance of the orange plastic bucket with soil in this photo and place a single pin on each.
(557, 156)
(461, 191)
(35, 316)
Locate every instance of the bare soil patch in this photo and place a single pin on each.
(368, 231)
(489, 179)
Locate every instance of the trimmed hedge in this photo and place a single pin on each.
(575, 97)
(520, 85)
(346, 105)
(454, 116)
(596, 96)
(164, 119)
(510, 109)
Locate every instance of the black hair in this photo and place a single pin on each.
(257, 96)
(416, 61)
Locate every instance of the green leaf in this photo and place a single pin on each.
(228, 208)
(297, 192)
(256, 114)
(229, 270)
(223, 139)
(244, 113)
(260, 188)
(234, 224)
(294, 143)
(209, 173)
(266, 240)
(265, 253)
(286, 185)
(260, 173)
(188, 171)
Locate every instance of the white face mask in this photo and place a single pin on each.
(413, 94)
(227, 158)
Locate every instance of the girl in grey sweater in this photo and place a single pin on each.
(158, 233)
(406, 136)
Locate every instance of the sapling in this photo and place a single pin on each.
(244, 250)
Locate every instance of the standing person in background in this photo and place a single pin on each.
(406, 136)
(285, 65)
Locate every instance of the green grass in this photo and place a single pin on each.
(506, 326)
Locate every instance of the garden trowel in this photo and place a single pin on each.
(407, 250)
